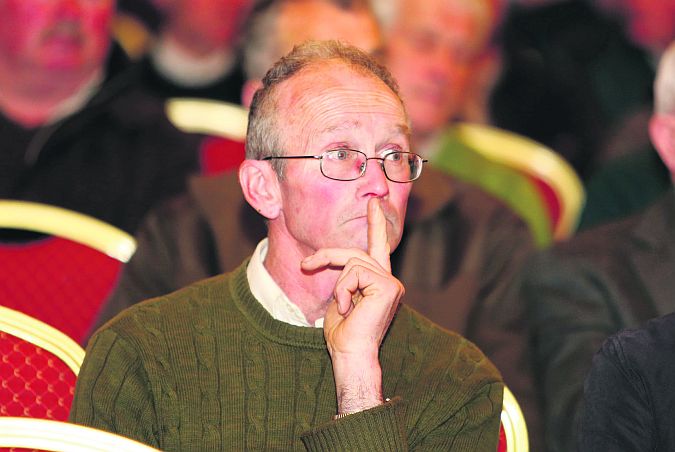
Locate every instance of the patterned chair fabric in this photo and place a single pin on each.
(34, 383)
(57, 265)
(38, 368)
(58, 281)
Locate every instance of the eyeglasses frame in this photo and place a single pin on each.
(363, 170)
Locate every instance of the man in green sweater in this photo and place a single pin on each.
(306, 345)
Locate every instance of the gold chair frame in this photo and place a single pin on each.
(514, 424)
(44, 336)
(210, 117)
(531, 157)
(59, 436)
(75, 226)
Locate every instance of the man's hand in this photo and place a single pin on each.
(365, 300)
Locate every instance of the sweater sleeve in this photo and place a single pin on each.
(112, 391)
(460, 412)
(379, 428)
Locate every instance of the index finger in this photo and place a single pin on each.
(378, 245)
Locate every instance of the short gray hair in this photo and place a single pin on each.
(263, 137)
(664, 84)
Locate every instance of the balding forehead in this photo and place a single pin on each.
(298, 94)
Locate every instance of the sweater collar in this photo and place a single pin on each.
(263, 322)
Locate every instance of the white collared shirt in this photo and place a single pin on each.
(269, 294)
(186, 70)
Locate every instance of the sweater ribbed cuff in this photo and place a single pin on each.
(378, 429)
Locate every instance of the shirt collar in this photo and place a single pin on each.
(186, 70)
(269, 294)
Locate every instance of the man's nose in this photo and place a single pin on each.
(374, 180)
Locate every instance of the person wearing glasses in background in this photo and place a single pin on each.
(306, 345)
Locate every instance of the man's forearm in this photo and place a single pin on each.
(358, 383)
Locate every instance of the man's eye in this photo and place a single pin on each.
(341, 155)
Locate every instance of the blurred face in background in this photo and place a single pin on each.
(208, 25)
(304, 20)
(54, 35)
(299, 21)
(432, 47)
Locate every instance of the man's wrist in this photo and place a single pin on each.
(341, 415)
(358, 383)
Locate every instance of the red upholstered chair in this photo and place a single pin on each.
(63, 277)
(513, 429)
(38, 368)
(558, 184)
(63, 437)
(224, 125)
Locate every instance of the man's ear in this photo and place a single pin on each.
(662, 134)
(260, 185)
(248, 90)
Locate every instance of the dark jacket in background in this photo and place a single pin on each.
(571, 78)
(625, 186)
(114, 159)
(629, 395)
(579, 293)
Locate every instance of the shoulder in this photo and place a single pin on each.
(440, 197)
(597, 246)
(651, 345)
(174, 213)
(442, 350)
(174, 316)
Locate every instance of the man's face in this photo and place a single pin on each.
(327, 107)
(305, 20)
(430, 50)
(214, 23)
(55, 35)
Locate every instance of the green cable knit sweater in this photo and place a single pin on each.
(207, 368)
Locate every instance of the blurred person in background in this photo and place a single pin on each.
(434, 49)
(614, 276)
(577, 75)
(195, 52)
(637, 176)
(77, 132)
(650, 24)
(628, 393)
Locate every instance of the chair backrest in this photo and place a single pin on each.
(223, 124)
(513, 429)
(210, 117)
(63, 277)
(559, 185)
(63, 437)
(38, 367)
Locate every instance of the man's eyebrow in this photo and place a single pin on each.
(403, 129)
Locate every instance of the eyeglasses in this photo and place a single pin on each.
(350, 164)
